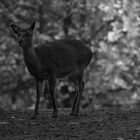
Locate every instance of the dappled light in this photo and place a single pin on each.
(110, 29)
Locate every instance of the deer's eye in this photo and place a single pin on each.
(19, 34)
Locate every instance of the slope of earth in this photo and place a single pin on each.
(104, 124)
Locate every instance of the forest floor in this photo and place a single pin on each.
(103, 124)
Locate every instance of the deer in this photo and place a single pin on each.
(52, 60)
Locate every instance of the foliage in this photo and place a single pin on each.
(109, 28)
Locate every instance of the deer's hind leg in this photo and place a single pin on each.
(76, 96)
(76, 79)
(80, 92)
(51, 82)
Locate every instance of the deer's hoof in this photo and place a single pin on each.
(71, 114)
(75, 113)
(33, 117)
(54, 116)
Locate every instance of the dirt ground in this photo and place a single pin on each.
(104, 124)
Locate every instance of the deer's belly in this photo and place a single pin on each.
(65, 72)
(61, 73)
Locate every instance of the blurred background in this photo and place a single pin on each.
(110, 28)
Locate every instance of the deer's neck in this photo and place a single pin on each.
(29, 56)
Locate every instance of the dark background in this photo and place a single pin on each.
(111, 30)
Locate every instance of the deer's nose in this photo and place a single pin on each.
(20, 42)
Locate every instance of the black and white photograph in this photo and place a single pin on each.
(69, 69)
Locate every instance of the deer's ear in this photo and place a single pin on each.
(15, 28)
(32, 26)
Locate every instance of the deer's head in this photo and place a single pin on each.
(23, 35)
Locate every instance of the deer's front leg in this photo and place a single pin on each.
(80, 91)
(39, 86)
(51, 82)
